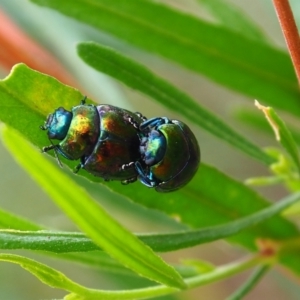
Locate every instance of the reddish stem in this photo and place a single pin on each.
(290, 32)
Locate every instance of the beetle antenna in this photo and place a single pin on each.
(82, 102)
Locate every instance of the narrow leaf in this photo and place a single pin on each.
(216, 274)
(140, 78)
(89, 216)
(61, 242)
(8, 220)
(47, 275)
(56, 279)
(230, 16)
(282, 133)
(264, 180)
(255, 69)
(253, 280)
(201, 203)
(255, 120)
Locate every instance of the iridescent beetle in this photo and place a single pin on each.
(102, 137)
(170, 152)
(116, 144)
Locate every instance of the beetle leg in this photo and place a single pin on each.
(80, 165)
(44, 127)
(143, 177)
(55, 148)
(130, 180)
(48, 148)
(127, 166)
(142, 117)
(154, 122)
(132, 122)
(77, 168)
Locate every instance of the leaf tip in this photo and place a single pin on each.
(267, 112)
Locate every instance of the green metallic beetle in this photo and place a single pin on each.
(102, 137)
(170, 153)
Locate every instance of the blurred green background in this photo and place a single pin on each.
(20, 195)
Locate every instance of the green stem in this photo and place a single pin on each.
(250, 283)
(195, 281)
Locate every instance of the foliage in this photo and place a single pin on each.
(213, 206)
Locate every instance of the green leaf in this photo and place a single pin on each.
(89, 216)
(264, 180)
(56, 279)
(99, 260)
(230, 16)
(250, 283)
(255, 69)
(204, 203)
(47, 275)
(8, 220)
(282, 133)
(140, 78)
(201, 265)
(257, 122)
(46, 240)
(216, 274)
(19, 91)
(102, 261)
(200, 204)
(61, 242)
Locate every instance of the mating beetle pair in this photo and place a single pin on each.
(116, 144)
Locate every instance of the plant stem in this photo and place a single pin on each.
(290, 32)
(192, 282)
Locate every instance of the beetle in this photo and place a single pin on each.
(116, 144)
(102, 137)
(170, 153)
